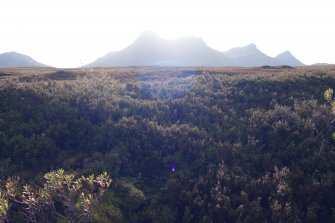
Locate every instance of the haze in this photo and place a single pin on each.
(73, 33)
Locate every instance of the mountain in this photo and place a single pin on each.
(286, 58)
(250, 56)
(192, 51)
(243, 51)
(147, 50)
(151, 50)
(13, 59)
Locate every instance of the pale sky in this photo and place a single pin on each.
(70, 33)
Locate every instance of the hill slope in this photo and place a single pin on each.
(286, 58)
(13, 59)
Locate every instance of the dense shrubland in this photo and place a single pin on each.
(248, 145)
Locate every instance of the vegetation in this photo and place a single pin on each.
(61, 197)
(181, 145)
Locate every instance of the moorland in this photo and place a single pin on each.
(173, 144)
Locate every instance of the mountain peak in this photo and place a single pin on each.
(285, 53)
(251, 46)
(244, 51)
(286, 58)
(12, 53)
(147, 39)
(190, 41)
(148, 35)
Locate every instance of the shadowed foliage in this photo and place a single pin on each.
(247, 145)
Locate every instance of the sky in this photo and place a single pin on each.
(72, 33)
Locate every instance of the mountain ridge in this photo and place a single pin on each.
(151, 50)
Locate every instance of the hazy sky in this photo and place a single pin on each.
(70, 33)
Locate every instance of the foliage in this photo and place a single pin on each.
(3, 206)
(247, 145)
(328, 95)
(62, 196)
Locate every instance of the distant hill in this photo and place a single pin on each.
(286, 58)
(13, 59)
(322, 64)
(151, 50)
(250, 56)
